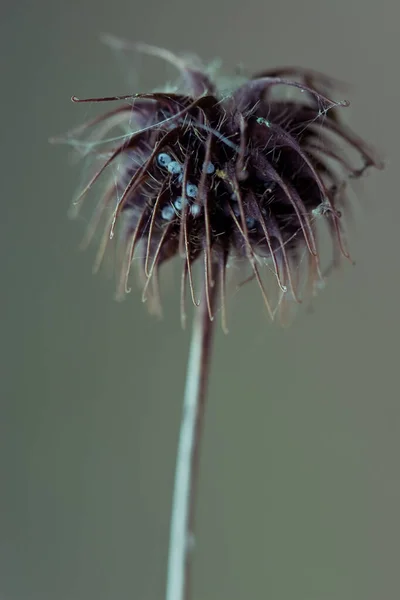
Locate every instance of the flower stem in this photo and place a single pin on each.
(183, 504)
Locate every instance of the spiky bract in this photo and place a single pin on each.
(224, 177)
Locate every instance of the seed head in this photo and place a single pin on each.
(222, 177)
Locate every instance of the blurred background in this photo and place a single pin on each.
(300, 487)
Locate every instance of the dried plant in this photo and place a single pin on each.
(244, 176)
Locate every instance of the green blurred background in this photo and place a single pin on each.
(300, 485)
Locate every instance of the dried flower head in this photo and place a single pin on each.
(225, 176)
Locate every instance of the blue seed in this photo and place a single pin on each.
(262, 121)
(163, 159)
(178, 203)
(168, 212)
(174, 167)
(191, 190)
(195, 210)
(210, 168)
(250, 222)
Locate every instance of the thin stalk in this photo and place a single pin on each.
(187, 462)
